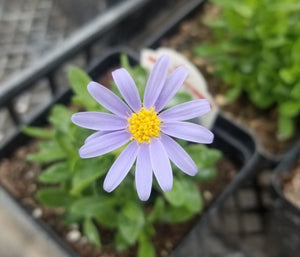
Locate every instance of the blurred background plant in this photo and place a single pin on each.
(75, 184)
(255, 50)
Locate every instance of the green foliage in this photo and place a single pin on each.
(55, 197)
(76, 184)
(256, 50)
(91, 232)
(79, 80)
(56, 173)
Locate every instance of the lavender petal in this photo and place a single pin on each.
(104, 144)
(186, 111)
(171, 86)
(99, 121)
(188, 131)
(121, 167)
(96, 135)
(143, 173)
(161, 165)
(179, 156)
(127, 88)
(156, 81)
(109, 100)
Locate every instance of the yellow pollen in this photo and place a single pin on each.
(144, 125)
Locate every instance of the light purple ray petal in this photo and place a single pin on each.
(171, 86)
(108, 100)
(156, 81)
(99, 121)
(188, 131)
(96, 135)
(161, 165)
(186, 111)
(104, 144)
(127, 88)
(179, 156)
(121, 167)
(143, 173)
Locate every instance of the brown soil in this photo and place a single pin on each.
(291, 185)
(264, 123)
(20, 178)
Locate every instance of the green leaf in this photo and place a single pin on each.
(87, 171)
(93, 206)
(207, 50)
(131, 221)
(233, 94)
(290, 108)
(120, 243)
(263, 101)
(157, 210)
(37, 132)
(48, 152)
(79, 80)
(288, 75)
(65, 142)
(91, 232)
(108, 217)
(146, 248)
(203, 156)
(296, 91)
(176, 195)
(60, 118)
(54, 197)
(192, 197)
(177, 214)
(286, 127)
(56, 173)
(206, 174)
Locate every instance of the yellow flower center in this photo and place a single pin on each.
(144, 125)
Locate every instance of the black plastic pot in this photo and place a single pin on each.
(287, 215)
(235, 143)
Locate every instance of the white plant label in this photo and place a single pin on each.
(194, 84)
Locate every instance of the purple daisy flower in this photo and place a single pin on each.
(146, 126)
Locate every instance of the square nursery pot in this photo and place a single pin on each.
(285, 182)
(235, 142)
(163, 35)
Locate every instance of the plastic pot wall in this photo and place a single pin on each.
(287, 215)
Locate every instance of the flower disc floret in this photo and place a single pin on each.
(144, 125)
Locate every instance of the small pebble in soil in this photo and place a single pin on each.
(74, 226)
(32, 188)
(220, 100)
(207, 195)
(84, 240)
(164, 253)
(199, 61)
(29, 174)
(169, 245)
(73, 236)
(37, 213)
(210, 69)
